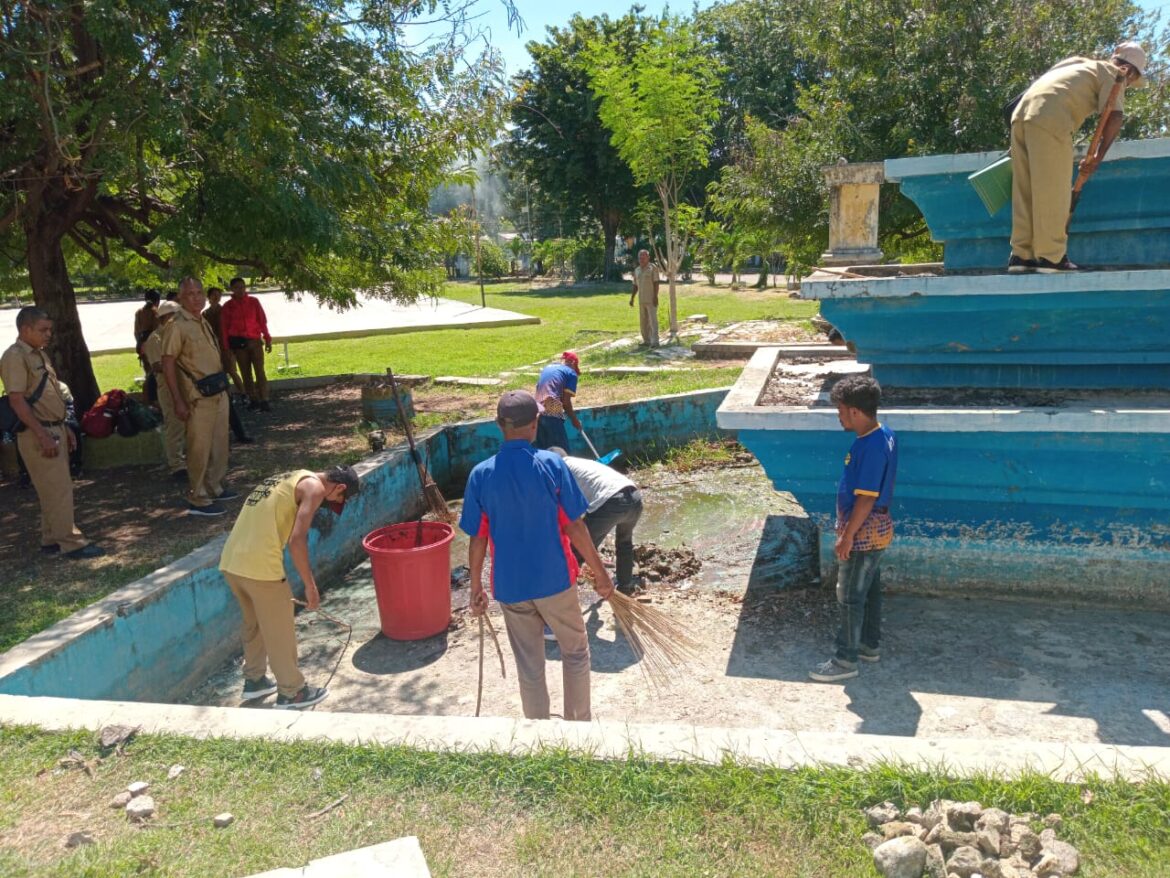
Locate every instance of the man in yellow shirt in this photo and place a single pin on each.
(279, 512)
(1049, 113)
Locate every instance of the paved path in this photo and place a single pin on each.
(108, 326)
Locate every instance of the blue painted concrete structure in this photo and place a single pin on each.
(1123, 217)
(1092, 330)
(157, 638)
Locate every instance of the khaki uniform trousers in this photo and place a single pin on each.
(207, 448)
(648, 318)
(525, 622)
(174, 430)
(251, 359)
(50, 476)
(269, 630)
(1041, 192)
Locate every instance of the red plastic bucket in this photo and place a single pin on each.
(412, 582)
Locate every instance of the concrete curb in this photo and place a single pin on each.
(603, 740)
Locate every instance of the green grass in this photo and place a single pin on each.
(551, 813)
(571, 317)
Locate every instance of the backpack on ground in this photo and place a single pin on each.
(102, 417)
(144, 417)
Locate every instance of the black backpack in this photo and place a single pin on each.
(9, 422)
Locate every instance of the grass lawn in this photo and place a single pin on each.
(492, 815)
(571, 317)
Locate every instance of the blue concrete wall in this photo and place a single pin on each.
(157, 639)
(1123, 217)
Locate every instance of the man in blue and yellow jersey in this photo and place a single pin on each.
(864, 526)
(279, 512)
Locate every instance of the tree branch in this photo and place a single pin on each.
(10, 217)
(258, 264)
(107, 222)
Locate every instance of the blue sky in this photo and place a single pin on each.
(539, 14)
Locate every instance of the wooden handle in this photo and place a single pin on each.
(1083, 177)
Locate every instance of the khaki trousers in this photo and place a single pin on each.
(207, 448)
(648, 320)
(174, 430)
(54, 486)
(1041, 192)
(269, 630)
(525, 622)
(229, 366)
(251, 359)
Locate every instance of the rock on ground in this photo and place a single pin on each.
(140, 808)
(222, 820)
(121, 800)
(78, 839)
(903, 857)
(965, 862)
(175, 771)
(878, 815)
(138, 788)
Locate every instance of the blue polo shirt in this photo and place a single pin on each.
(552, 382)
(871, 468)
(520, 500)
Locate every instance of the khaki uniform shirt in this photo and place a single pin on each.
(644, 279)
(1063, 98)
(255, 548)
(188, 339)
(21, 369)
(152, 349)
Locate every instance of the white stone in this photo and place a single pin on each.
(138, 788)
(222, 820)
(140, 807)
(965, 862)
(121, 800)
(903, 857)
(883, 813)
(175, 771)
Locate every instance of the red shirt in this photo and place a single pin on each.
(243, 317)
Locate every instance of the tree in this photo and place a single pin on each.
(558, 146)
(661, 108)
(300, 140)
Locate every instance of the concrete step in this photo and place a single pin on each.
(725, 350)
(460, 381)
(401, 858)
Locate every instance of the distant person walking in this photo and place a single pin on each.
(174, 430)
(198, 386)
(44, 441)
(525, 504)
(646, 281)
(145, 322)
(864, 526)
(1043, 124)
(555, 389)
(279, 512)
(615, 503)
(243, 331)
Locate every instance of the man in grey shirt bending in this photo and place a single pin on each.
(614, 502)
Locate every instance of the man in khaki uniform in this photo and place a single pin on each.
(45, 442)
(190, 352)
(174, 430)
(1049, 113)
(646, 289)
(278, 512)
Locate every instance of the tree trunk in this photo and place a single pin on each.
(610, 220)
(53, 293)
(672, 261)
(762, 282)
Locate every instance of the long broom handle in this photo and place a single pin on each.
(1083, 175)
(422, 472)
(585, 436)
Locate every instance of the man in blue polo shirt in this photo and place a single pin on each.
(864, 527)
(527, 506)
(555, 389)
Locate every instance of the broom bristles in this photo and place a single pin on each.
(658, 642)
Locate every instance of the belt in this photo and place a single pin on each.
(51, 423)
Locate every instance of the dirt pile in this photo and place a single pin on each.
(668, 566)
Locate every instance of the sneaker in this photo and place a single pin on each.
(50, 549)
(307, 697)
(88, 551)
(831, 672)
(227, 494)
(211, 510)
(869, 655)
(1045, 267)
(179, 475)
(261, 688)
(548, 634)
(1019, 265)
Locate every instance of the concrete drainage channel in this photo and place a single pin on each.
(171, 636)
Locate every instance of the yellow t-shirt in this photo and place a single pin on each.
(1063, 98)
(255, 548)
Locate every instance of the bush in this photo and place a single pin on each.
(492, 260)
